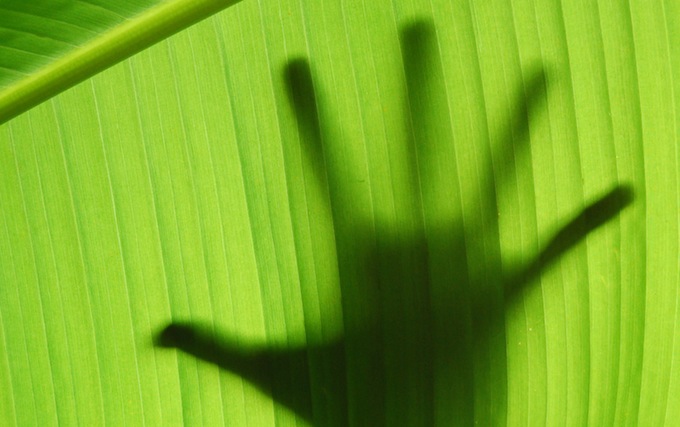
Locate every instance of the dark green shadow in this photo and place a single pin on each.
(428, 322)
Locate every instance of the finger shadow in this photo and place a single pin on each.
(439, 327)
(281, 373)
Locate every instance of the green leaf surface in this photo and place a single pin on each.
(406, 212)
(48, 46)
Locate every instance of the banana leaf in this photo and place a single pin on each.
(351, 212)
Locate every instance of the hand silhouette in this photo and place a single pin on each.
(416, 318)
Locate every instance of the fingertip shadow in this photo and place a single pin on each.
(303, 98)
(417, 40)
(301, 93)
(593, 216)
(282, 374)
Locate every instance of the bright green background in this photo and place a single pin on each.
(173, 186)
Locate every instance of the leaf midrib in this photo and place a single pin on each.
(111, 47)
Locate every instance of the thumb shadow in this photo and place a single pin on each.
(275, 372)
(269, 369)
(291, 377)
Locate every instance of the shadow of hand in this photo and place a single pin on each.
(396, 354)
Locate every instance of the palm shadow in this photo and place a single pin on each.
(418, 321)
